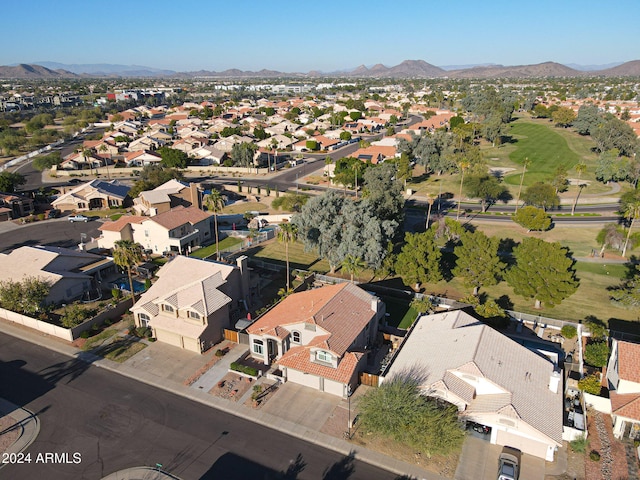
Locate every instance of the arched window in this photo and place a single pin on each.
(144, 319)
(258, 347)
(295, 337)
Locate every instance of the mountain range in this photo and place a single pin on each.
(406, 69)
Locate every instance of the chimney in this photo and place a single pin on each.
(243, 264)
(554, 381)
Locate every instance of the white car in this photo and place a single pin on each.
(78, 218)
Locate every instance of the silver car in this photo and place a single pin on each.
(508, 467)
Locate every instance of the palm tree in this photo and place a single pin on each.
(580, 169)
(353, 265)
(430, 200)
(127, 254)
(463, 165)
(103, 148)
(215, 203)
(631, 212)
(288, 233)
(525, 164)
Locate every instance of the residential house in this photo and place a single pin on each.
(192, 301)
(15, 205)
(140, 158)
(178, 230)
(96, 194)
(492, 379)
(208, 155)
(169, 195)
(70, 273)
(319, 338)
(623, 376)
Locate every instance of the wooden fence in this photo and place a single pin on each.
(231, 335)
(368, 379)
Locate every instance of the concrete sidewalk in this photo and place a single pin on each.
(156, 377)
(141, 473)
(26, 422)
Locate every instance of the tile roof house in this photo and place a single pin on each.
(492, 379)
(71, 273)
(15, 205)
(192, 301)
(623, 376)
(96, 194)
(163, 198)
(319, 338)
(178, 230)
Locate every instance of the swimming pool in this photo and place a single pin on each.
(123, 285)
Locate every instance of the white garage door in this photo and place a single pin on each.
(335, 388)
(191, 344)
(296, 376)
(525, 445)
(169, 337)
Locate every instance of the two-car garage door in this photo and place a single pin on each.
(177, 340)
(525, 445)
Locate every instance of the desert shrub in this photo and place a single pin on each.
(569, 331)
(590, 384)
(580, 444)
(594, 455)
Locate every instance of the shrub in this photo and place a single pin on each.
(73, 316)
(594, 455)
(85, 334)
(116, 293)
(590, 384)
(238, 367)
(580, 444)
(257, 390)
(219, 353)
(596, 354)
(569, 331)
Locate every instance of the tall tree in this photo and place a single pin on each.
(627, 294)
(287, 233)
(215, 204)
(614, 133)
(532, 218)
(126, 255)
(173, 158)
(587, 120)
(543, 271)
(384, 192)
(243, 154)
(563, 117)
(9, 181)
(631, 211)
(525, 164)
(419, 260)
(580, 169)
(485, 187)
(612, 236)
(541, 195)
(462, 167)
(477, 260)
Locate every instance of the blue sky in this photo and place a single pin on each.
(327, 35)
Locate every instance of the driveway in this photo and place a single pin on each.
(479, 460)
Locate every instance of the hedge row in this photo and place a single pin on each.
(238, 367)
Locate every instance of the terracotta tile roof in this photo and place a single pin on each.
(341, 310)
(179, 216)
(119, 224)
(629, 361)
(627, 405)
(298, 358)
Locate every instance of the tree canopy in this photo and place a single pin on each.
(543, 271)
(419, 260)
(9, 181)
(26, 296)
(532, 218)
(384, 192)
(542, 195)
(173, 158)
(627, 294)
(153, 176)
(477, 260)
(485, 187)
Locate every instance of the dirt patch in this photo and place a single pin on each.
(232, 387)
(268, 391)
(575, 466)
(613, 462)
(223, 347)
(8, 435)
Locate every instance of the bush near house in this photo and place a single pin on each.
(590, 384)
(597, 353)
(238, 367)
(569, 331)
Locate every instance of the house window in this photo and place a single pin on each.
(144, 319)
(146, 233)
(167, 308)
(323, 356)
(295, 337)
(258, 347)
(195, 315)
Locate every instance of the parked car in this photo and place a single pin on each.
(53, 213)
(78, 218)
(508, 465)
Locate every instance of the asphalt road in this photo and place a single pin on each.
(114, 423)
(57, 232)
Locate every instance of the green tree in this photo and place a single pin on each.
(73, 315)
(627, 294)
(384, 192)
(173, 158)
(532, 218)
(543, 271)
(397, 410)
(215, 204)
(560, 181)
(611, 236)
(485, 187)
(126, 255)
(9, 181)
(287, 233)
(352, 265)
(45, 162)
(630, 203)
(591, 384)
(345, 136)
(587, 120)
(355, 116)
(419, 260)
(614, 133)
(563, 117)
(477, 260)
(542, 195)
(596, 354)
(27, 296)
(243, 154)
(290, 202)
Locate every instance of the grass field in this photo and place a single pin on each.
(211, 249)
(273, 251)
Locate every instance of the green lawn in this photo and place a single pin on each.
(211, 249)
(401, 314)
(544, 147)
(273, 251)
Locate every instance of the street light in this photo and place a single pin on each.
(349, 418)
